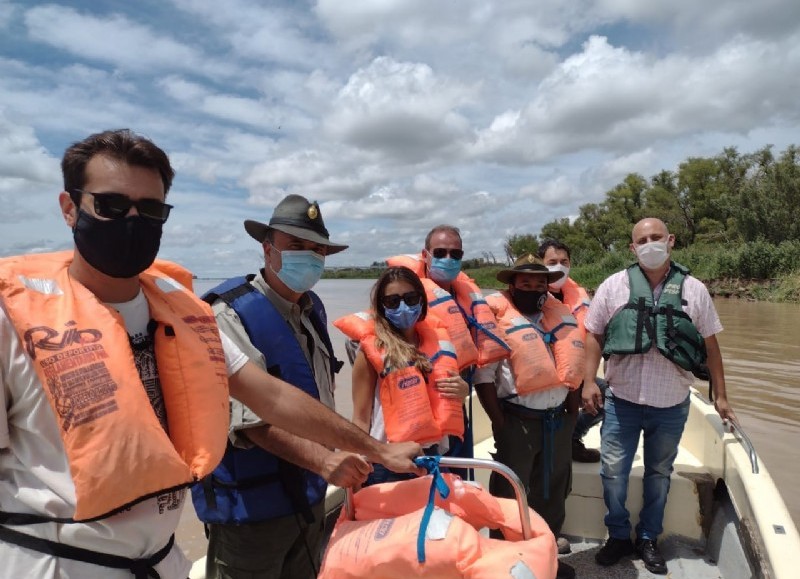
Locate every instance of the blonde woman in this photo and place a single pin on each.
(406, 384)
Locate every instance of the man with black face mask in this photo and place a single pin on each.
(532, 398)
(114, 382)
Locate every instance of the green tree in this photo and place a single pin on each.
(769, 199)
(517, 245)
(661, 200)
(733, 170)
(700, 186)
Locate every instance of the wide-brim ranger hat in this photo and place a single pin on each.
(296, 216)
(528, 263)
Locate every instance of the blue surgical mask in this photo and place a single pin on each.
(444, 268)
(403, 317)
(300, 270)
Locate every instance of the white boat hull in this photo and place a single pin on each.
(709, 456)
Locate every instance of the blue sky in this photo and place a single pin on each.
(396, 115)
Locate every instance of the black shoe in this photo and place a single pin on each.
(653, 561)
(582, 454)
(565, 571)
(613, 551)
(563, 545)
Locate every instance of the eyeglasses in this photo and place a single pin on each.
(441, 253)
(393, 300)
(116, 205)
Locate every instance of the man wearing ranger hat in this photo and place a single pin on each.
(531, 397)
(264, 505)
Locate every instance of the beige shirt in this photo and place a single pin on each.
(297, 316)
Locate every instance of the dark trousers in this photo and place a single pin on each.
(521, 447)
(282, 548)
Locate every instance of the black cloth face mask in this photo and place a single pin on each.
(529, 302)
(119, 248)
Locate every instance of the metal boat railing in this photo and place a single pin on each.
(737, 429)
(454, 462)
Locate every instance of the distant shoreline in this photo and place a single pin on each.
(782, 289)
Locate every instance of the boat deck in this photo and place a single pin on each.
(685, 559)
(702, 536)
(736, 529)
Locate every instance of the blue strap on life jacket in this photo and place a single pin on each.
(472, 322)
(431, 464)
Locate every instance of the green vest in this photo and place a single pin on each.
(634, 328)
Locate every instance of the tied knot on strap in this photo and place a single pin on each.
(431, 464)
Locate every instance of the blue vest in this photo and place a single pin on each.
(252, 485)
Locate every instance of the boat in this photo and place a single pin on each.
(724, 516)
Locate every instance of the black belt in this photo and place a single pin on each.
(141, 568)
(533, 414)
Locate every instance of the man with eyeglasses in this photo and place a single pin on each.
(114, 381)
(457, 301)
(270, 488)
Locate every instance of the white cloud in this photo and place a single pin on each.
(395, 115)
(610, 97)
(402, 110)
(114, 39)
(22, 156)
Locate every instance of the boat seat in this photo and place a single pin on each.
(585, 507)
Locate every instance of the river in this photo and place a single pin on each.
(761, 351)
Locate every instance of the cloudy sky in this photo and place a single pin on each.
(496, 116)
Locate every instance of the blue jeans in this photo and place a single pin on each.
(662, 429)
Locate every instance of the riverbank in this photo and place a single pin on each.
(785, 289)
(781, 290)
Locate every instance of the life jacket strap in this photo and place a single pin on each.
(473, 323)
(140, 568)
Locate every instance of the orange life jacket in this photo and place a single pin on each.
(577, 300)
(117, 450)
(533, 366)
(472, 327)
(381, 542)
(413, 409)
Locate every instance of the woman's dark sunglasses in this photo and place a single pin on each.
(441, 253)
(116, 205)
(393, 300)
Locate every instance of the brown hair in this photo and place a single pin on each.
(441, 229)
(121, 144)
(398, 351)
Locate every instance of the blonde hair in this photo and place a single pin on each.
(398, 352)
